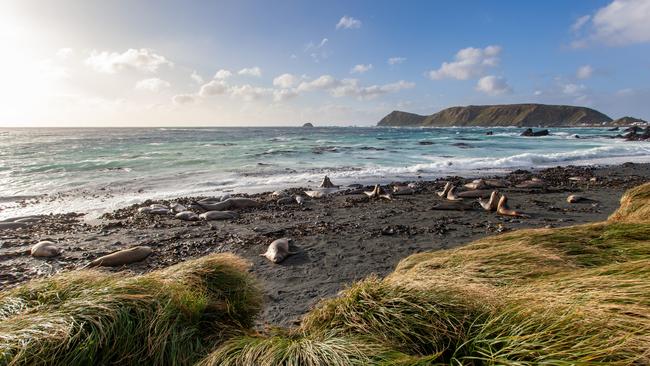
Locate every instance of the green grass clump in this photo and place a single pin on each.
(164, 317)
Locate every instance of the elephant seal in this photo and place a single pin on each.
(12, 225)
(476, 184)
(45, 248)
(451, 194)
(479, 193)
(177, 207)
(219, 215)
(320, 192)
(534, 183)
(300, 200)
(445, 190)
(503, 209)
(402, 190)
(285, 201)
(492, 204)
(378, 192)
(158, 206)
(159, 211)
(187, 216)
(575, 198)
(144, 210)
(122, 257)
(327, 183)
(278, 250)
(230, 203)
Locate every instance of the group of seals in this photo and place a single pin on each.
(497, 202)
(278, 250)
(377, 193)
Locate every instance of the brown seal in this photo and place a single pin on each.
(45, 248)
(445, 190)
(122, 257)
(492, 204)
(503, 209)
(451, 194)
(278, 250)
(327, 183)
(378, 192)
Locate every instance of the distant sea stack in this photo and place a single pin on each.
(522, 115)
(628, 121)
(307, 125)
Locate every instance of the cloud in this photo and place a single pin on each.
(248, 92)
(580, 22)
(223, 74)
(143, 59)
(322, 82)
(280, 95)
(152, 84)
(573, 89)
(360, 68)
(64, 53)
(396, 60)
(196, 77)
(251, 71)
(214, 87)
(584, 72)
(347, 22)
(182, 99)
(469, 63)
(620, 23)
(285, 81)
(493, 85)
(317, 51)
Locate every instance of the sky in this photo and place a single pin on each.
(256, 63)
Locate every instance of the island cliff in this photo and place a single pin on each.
(523, 115)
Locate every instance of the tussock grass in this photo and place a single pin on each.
(165, 317)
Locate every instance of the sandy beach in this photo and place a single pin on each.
(340, 238)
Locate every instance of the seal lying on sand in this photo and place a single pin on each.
(492, 204)
(503, 209)
(479, 193)
(402, 190)
(534, 183)
(278, 250)
(218, 215)
(187, 216)
(575, 198)
(228, 204)
(451, 194)
(122, 257)
(477, 184)
(327, 183)
(378, 192)
(45, 248)
(445, 190)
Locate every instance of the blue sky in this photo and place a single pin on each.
(93, 63)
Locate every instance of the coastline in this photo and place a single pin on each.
(340, 238)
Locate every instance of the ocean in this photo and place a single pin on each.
(98, 170)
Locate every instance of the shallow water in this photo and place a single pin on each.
(139, 163)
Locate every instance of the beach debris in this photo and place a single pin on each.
(503, 209)
(445, 190)
(534, 183)
(453, 206)
(278, 250)
(476, 184)
(218, 215)
(177, 207)
(480, 193)
(285, 201)
(45, 248)
(377, 193)
(122, 257)
(13, 225)
(399, 190)
(492, 203)
(187, 216)
(451, 194)
(327, 183)
(300, 199)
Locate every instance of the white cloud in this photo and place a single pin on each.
(573, 89)
(584, 72)
(360, 68)
(619, 23)
(322, 82)
(347, 22)
(196, 77)
(143, 59)
(182, 99)
(214, 87)
(248, 92)
(396, 60)
(280, 95)
(152, 84)
(580, 22)
(222, 74)
(538, 92)
(351, 87)
(493, 85)
(251, 71)
(64, 53)
(285, 81)
(470, 62)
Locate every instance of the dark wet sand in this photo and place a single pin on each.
(341, 238)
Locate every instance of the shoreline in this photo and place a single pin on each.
(340, 238)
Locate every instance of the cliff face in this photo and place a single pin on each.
(528, 115)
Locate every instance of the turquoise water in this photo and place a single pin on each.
(135, 164)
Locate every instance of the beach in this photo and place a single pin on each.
(340, 238)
